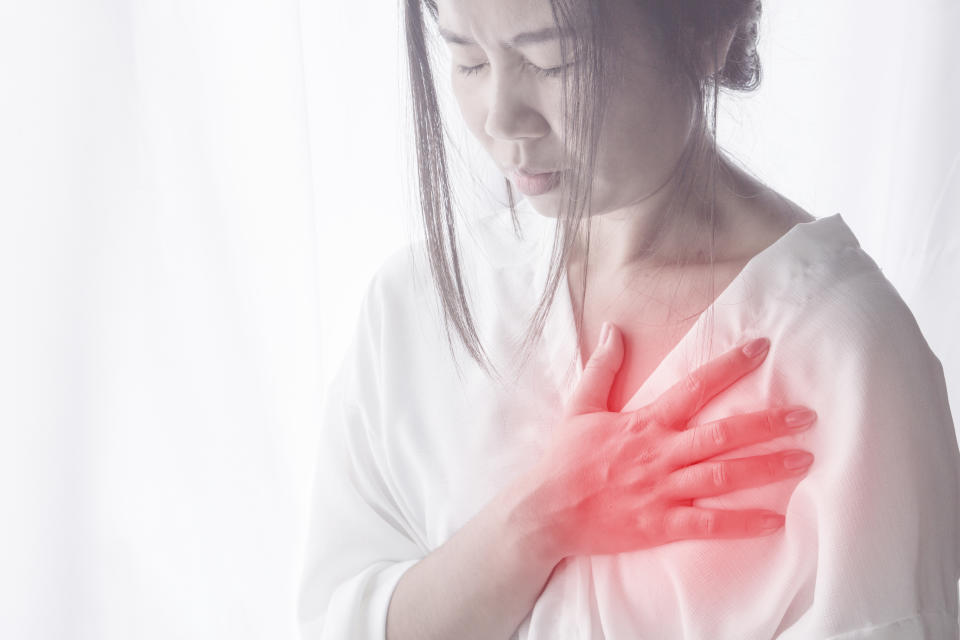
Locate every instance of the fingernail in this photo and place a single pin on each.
(756, 348)
(604, 334)
(800, 418)
(797, 460)
(771, 522)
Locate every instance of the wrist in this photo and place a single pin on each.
(525, 529)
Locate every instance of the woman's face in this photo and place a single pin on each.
(509, 97)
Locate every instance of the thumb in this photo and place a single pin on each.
(593, 389)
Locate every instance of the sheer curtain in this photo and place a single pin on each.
(160, 353)
(194, 194)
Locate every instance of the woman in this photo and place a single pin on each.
(594, 492)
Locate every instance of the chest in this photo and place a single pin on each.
(653, 311)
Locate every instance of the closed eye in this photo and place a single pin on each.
(552, 72)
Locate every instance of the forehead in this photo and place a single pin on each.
(495, 22)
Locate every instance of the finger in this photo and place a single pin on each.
(685, 523)
(712, 438)
(684, 399)
(723, 476)
(593, 389)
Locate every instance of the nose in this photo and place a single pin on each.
(510, 114)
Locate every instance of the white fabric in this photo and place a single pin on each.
(410, 451)
(159, 343)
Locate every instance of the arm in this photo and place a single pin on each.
(359, 543)
(367, 577)
(360, 538)
(886, 537)
(366, 552)
(481, 583)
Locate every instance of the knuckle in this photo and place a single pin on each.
(699, 440)
(650, 525)
(708, 524)
(720, 432)
(719, 474)
(597, 364)
(647, 455)
(657, 423)
(676, 526)
(770, 424)
(636, 422)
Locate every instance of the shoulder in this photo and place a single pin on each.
(838, 282)
(490, 248)
(489, 240)
(843, 284)
(384, 319)
(401, 281)
(844, 320)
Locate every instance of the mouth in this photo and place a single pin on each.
(534, 184)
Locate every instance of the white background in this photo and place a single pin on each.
(193, 196)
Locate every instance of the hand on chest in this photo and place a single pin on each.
(653, 314)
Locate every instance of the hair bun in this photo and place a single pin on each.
(741, 71)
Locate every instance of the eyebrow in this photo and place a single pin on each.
(519, 40)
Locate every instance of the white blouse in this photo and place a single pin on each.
(411, 448)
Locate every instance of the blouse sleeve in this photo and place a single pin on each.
(885, 525)
(359, 540)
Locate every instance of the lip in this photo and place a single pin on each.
(534, 183)
(530, 171)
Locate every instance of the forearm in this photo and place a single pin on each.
(481, 583)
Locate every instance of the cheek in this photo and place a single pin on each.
(643, 136)
(471, 111)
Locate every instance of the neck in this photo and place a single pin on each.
(649, 234)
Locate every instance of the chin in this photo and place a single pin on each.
(544, 209)
(547, 213)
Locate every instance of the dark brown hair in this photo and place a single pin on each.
(687, 31)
